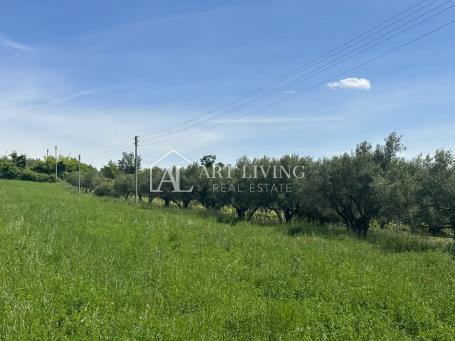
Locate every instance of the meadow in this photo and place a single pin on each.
(82, 267)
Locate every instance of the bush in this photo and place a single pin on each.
(30, 175)
(106, 189)
(72, 178)
(124, 186)
(90, 180)
(8, 170)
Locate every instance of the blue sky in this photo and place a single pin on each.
(88, 76)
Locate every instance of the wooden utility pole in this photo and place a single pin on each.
(79, 182)
(56, 161)
(136, 139)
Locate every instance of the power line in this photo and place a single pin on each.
(261, 91)
(136, 140)
(79, 174)
(56, 164)
(326, 66)
(314, 62)
(414, 9)
(409, 42)
(110, 152)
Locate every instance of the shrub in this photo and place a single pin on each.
(123, 186)
(30, 175)
(72, 178)
(106, 189)
(90, 180)
(8, 170)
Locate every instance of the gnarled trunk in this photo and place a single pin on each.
(240, 213)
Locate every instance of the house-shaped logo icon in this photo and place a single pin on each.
(170, 174)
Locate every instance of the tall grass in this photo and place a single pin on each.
(78, 267)
(405, 242)
(391, 241)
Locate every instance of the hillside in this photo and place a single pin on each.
(87, 268)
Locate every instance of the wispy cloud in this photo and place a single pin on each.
(72, 96)
(9, 43)
(80, 94)
(351, 83)
(275, 120)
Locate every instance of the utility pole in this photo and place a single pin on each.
(47, 153)
(56, 157)
(136, 139)
(79, 183)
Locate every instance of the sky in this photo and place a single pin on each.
(90, 75)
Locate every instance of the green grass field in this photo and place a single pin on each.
(79, 267)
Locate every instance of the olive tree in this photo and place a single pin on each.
(349, 182)
(435, 195)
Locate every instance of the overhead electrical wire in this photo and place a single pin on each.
(320, 70)
(409, 42)
(314, 62)
(261, 92)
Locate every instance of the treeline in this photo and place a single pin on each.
(19, 167)
(370, 185)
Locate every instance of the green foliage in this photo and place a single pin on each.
(111, 170)
(241, 199)
(46, 166)
(72, 179)
(19, 160)
(29, 175)
(64, 165)
(436, 192)
(105, 189)
(189, 177)
(126, 164)
(77, 267)
(17, 166)
(298, 195)
(8, 170)
(350, 182)
(124, 186)
(90, 179)
(14, 168)
(370, 184)
(208, 160)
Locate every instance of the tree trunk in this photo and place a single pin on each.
(288, 214)
(186, 203)
(251, 214)
(434, 230)
(240, 213)
(361, 225)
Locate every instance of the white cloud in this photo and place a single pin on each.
(11, 44)
(351, 83)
